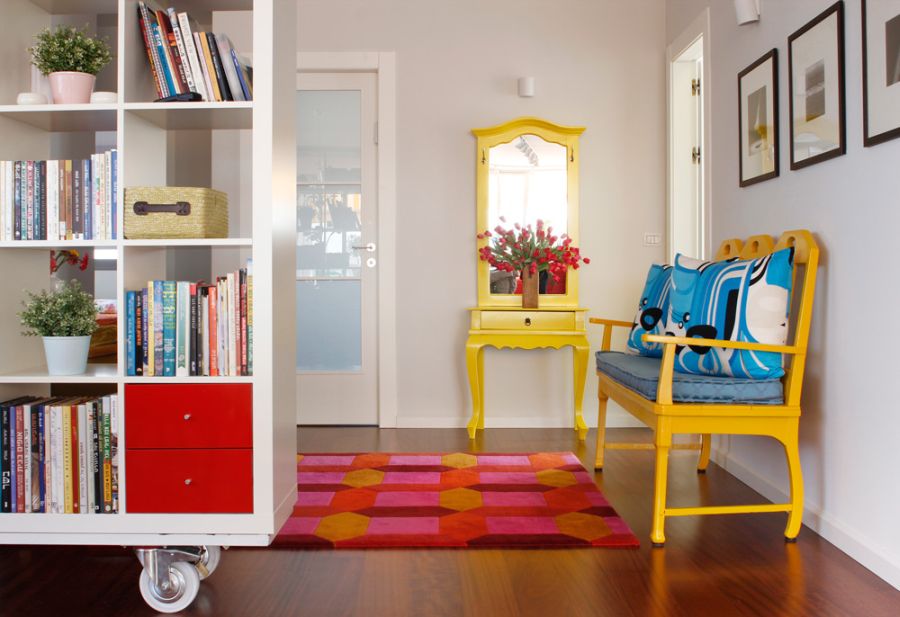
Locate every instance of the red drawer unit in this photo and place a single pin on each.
(189, 481)
(189, 416)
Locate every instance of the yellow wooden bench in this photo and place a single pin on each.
(668, 418)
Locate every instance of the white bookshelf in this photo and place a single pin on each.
(245, 149)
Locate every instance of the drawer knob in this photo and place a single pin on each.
(187, 481)
(187, 416)
(528, 321)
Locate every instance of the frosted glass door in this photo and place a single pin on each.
(336, 253)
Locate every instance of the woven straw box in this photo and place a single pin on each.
(164, 212)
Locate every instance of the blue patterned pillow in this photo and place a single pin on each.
(652, 312)
(731, 300)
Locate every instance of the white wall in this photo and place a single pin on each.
(597, 63)
(850, 425)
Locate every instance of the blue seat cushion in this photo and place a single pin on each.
(641, 374)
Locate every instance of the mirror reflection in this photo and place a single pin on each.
(527, 182)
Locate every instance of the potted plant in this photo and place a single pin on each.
(66, 318)
(71, 59)
(529, 252)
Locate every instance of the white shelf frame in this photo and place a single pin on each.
(272, 245)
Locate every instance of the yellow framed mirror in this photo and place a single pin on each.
(527, 169)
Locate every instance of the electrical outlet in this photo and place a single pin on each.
(652, 239)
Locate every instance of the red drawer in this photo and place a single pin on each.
(189, 416)
(189, 481)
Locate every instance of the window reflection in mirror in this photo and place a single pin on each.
(526, 182)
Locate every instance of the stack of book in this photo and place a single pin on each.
(59, 455)
(183, 59)
(59, 200)
(184, 329)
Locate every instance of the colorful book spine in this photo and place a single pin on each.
(217, 66)
(139, 333)
(212, 292)
(158, 336)
(210, 67)
(5, 460)
(243, 324)
(97, 454)
(107, 457)
(164, 58)
(114, 193)
(66, 430)
(20, 459)
(147, 35)
(130, 333)
(249, 316)
(243, 76)
(194, 330)
(181, 50)
(114, 452)
(187, 33)
(234, 84)
(182, 328)
(35, 454)
(165, 28)
(76, 472)
(146, 325)
(26, 458)
(170, 322)
(42, 458)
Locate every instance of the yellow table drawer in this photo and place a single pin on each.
(527, 320)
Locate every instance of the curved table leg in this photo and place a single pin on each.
(580, 355)
(474, 364)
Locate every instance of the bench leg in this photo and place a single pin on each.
(705, 446)
(657, 532)
(795, 518)
(602, 400)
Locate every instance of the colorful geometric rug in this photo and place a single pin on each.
(449, 500)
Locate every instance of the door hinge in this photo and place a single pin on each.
(695, 87)
(376, 134)
(695, 155)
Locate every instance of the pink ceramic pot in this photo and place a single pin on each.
(69, 87)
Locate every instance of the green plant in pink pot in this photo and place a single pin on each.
(71, 59)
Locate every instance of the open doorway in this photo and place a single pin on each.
(688, 174)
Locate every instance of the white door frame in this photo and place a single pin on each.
(697, 29)
(383, 64)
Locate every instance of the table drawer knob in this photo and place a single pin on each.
(187, 481)
(187, 416)
(528, 321)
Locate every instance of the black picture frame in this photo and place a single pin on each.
(817, 92)
(892, 49)
(759, 102)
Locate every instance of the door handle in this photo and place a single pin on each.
(370, 247)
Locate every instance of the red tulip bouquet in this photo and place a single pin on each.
(529, 252)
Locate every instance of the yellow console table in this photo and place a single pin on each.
(513, 327)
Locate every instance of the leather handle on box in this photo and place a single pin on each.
(181, 208)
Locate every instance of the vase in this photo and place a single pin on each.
(530, 289)
(71, 87)
(66, 355)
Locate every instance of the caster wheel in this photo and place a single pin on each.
(209, 561)
(790, 540)
(658, 544)
(177, 594)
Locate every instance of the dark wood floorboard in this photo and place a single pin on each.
(716, 566)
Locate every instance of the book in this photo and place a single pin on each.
(130, 333)
(243, 73)
(165, 61)
(204, 65)
(151, 329)
(66, 458)
(218, 68)
(87, 180)
(147, 36)
(234, 84)
(35, 454)
(194, 330)
(249, 316)
(243, 323)
(213, 297)
(20, 459)
(139, 333)
(190, 46)
(107, 455)
(29, 200)
(5, 461)
(182, 328)
(82, 458)
(181, 50)
(203, 292)
(114, 194)
(17, 201)
(97, 454)
(170, 47)
(170, 319)
(90, 458)
(76, 471)
(69, 199)
(114, 451)
(145, 326)
(210, 68)
(26, 458)
(158, 337)
(42, 459)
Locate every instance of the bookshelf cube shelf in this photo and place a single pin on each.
(245, 149)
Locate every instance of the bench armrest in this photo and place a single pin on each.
(608, 325)
(685, 341)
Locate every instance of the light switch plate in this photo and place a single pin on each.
(652, 239)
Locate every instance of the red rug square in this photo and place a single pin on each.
(458, 500)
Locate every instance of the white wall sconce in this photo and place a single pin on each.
(747, 11)
(526, 87)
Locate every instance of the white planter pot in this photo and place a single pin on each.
(66, 355)
(70, 87)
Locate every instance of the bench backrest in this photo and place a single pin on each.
(806, 260)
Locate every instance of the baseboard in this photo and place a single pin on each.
(615, 419)
(848, 540)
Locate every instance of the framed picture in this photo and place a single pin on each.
(816, 79)
(758, 120)
(881, 70)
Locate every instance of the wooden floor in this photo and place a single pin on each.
(717, 566)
